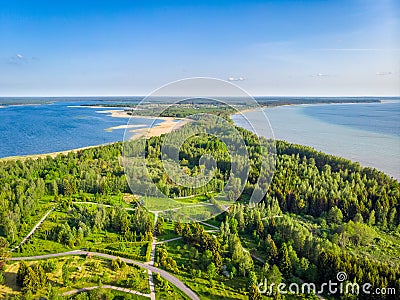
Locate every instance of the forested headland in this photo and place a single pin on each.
(322, 215)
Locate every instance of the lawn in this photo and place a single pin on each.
(195, 198)
(159, 204)
(123, 200)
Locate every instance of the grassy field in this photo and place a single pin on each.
(123, 200)
(196, 198)
(159, 204)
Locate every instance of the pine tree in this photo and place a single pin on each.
(31, 281)
(4, 254)
(254, 293)
(272, 251)
(284, 261)
(21, 273)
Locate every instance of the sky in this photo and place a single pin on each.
(82, 48)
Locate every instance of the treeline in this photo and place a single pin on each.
(82, 220)
(272, 102)
(184, 110)
(311, 182)
(25, 182)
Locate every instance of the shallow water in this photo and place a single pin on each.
(367, 133)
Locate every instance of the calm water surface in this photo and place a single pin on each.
(37, 129)
(367, 133)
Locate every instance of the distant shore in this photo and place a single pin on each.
(266, 106)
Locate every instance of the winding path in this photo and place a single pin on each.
(36, 227)
(112, 287)
(171, 278)
(151, 262)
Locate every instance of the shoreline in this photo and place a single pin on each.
(159, 129)
(168, 124)
(51, 154)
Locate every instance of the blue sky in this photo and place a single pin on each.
(133, 47)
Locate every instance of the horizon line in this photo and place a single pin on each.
(260, 95)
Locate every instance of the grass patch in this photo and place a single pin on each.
(195, 198)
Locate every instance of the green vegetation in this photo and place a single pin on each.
(184, 110)
(322, 215)
(57, 276)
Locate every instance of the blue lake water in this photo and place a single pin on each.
(37, 129)
(368, 133)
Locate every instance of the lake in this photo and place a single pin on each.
(365, 132)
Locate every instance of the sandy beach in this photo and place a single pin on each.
(51, 154)
(168, 124)
(124, 127)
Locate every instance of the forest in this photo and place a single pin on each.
(321, 215)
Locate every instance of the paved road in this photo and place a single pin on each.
(151, 262)
(112, 287)
(171, 278)
(33, 230)
(206, 224)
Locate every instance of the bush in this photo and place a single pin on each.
(2, 278)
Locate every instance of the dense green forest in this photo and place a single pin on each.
(322, 214)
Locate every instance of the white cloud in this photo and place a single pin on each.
(319, 75)
(236, 78)
(384, 73)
